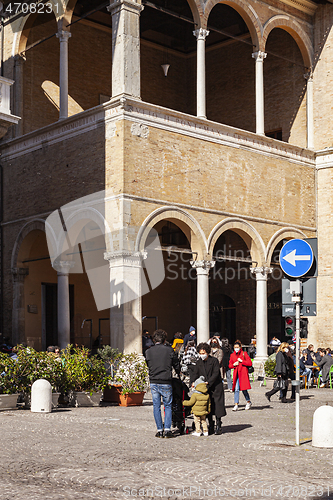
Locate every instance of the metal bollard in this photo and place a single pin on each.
(41, 396)
(322, 429)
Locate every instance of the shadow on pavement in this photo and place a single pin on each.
(235, 428)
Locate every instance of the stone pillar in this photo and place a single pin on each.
(63, 267)
(63, 73)
(18, 314)
(19, 61)
(125, 298)
(261, 274)
(309, 110)
(201, 34)
(125, 48)
(260, 113)
(203, 267)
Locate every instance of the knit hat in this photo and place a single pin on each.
(200, 380)
(192, 329)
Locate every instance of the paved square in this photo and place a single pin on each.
(112, 453)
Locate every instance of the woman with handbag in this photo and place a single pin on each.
(241, 363)
(282, 372)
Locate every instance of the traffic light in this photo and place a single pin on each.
(304, 328)
(289, 326)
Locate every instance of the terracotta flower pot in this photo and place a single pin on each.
(111, 394)
(131, 399)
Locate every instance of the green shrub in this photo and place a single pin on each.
(270, 366)
(83, 373)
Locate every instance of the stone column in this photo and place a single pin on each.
(260, 114)
(261, 274)
(125, 298)
(19, 61)
(309, 110)
(63, 73)
(201, 34)
(18, 314)
(203, 267)
(125, 48)
(63, 267)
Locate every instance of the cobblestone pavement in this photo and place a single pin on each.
(111, 453)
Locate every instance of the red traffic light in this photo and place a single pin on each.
(289, 321)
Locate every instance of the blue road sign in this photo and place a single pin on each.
(296, 258)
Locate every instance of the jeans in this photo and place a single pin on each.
(228, 375)
(236, 396)
(164, 390)
(308, 373)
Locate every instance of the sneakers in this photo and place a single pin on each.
(235, 408)
(159, 434)
(322, 385)
(197, 434)
(248, 405)
(205, 433)
(168, 434)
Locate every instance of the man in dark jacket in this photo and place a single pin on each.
(161, 359)
(209, 368)
(325, 364)
(191, 335)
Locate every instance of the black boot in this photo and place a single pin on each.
(218, 430)
(210, 425)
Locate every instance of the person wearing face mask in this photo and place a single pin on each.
(282, 370)
(216, 351)
(209, 368)
(240, 361)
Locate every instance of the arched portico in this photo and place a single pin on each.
(283, 234)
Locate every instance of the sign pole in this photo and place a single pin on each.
(298, 342)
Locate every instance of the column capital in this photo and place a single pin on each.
(261, 273)
(63, 35)
(203, 266)
(125, 258)
(63, 267)
(129, 5)
(201, 34)
(259, 56)
(19, 273)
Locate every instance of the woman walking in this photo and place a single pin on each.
(240, 362)
(282, 371)
(226, 371)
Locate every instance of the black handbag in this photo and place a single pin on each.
(279, 383)
(251, 369)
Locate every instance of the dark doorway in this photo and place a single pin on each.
(50, 314)
(275, 319)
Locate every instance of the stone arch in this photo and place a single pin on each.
(185, 221)
(75, 222)
(246, 231)
(36, 224)
(296, 31)
(282, 234)
(246, 11)
(24, 25)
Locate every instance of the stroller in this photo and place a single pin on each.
(179, 412)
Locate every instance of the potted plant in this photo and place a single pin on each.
(132, 374)
(85, 376)
(8, 388)
(269, 366)
(111, 358)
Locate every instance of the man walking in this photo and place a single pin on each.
(161, 359)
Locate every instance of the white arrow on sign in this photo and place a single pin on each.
(291, 257)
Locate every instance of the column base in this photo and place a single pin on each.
(258, 363)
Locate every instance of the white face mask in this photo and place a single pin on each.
(237, 349)
(203, 356)
(286, 349)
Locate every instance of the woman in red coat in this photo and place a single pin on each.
(240, 362)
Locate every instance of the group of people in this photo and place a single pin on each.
(205, 365)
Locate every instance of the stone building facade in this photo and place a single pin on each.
(224, 157)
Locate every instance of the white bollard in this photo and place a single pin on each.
(41, 396)
(322, 429)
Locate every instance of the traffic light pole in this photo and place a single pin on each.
(297, 299)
